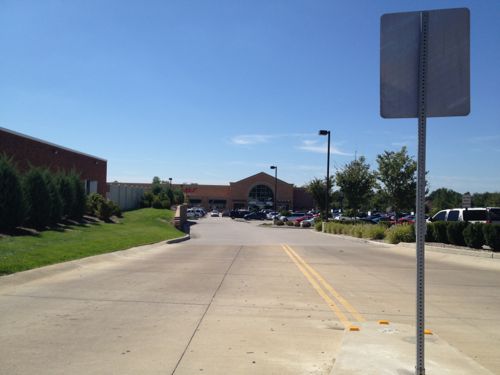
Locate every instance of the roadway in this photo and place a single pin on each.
(237, 298)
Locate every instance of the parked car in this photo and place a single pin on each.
(272, 214)
(214, 213)
(305, 217)
(471, 215)
(292, 216)
(238, 213)
(255, 216)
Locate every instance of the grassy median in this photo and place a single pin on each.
(140, 227)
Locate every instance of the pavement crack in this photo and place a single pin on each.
(206, 310)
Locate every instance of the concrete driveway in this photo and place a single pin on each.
(237, 298)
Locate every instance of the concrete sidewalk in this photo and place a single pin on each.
(378, 349)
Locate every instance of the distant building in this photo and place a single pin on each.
(26, 151)
(257, 191)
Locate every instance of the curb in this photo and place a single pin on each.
(435, 249)
(179, 239)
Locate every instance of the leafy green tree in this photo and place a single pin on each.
(356, 182)
(156, 186)
(37, 198)
(317, 188)
(178, 196)
(486, 199)
(397, 173)
(444, 198)
(12, 204)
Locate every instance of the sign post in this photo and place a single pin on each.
(424, 70)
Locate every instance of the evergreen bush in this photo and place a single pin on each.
(12, 203)
(491, 234)
(56, 204)
(473, 235)
(156, 202)
(78, 208)
(318, 225)
(147, 199)
(455, 232)
(281, 223)
(439, 231)
(37, 199)
(104, 210)
(430, 232)
(66, 192)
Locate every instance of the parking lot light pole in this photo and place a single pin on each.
(327, 190)
(170, 179)
(275, 185)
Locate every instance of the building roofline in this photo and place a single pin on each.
(50, 143)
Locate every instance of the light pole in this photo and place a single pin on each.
(327, 191)
(275, 185)
(170, 179)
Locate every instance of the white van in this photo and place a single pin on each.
(471, 215)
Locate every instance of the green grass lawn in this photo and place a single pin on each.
(140, 227)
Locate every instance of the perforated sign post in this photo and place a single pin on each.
(424, 72)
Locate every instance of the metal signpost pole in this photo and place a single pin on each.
(420, 201)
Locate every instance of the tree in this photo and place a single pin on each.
(12, 204)
(156, 186)
(66, 192)
(486, 199)
(37, 198)
(397, 173)
(356, 182)
(444, 198)
(317, 189)
(78, 208)
(56, 205)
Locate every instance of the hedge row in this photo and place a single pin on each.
(455, 233)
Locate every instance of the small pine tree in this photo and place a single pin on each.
(12, 204)
(78, 208)
(66, 192)
(56, 204)
(37, 198)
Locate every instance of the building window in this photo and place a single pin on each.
(261, 196)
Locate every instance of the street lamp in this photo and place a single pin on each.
(275, 185)
(170, 179)
(327, 191)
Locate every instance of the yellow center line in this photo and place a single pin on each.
(328, 287)
(333, 306)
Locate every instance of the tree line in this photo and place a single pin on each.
(391, 187)
(38, 198)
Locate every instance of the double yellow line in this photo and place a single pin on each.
(325, 290)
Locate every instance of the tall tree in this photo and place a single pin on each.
(356, 182)
(444, 198)
(12, 203)
(397, 173)
(317, 188)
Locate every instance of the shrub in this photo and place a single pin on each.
(455, 232)
(439, 232)
(296, 223)
(37, 199)
(147, 199)
(78, 207)
(401, 233)
(165, 203)
(289, 223)
(66, 193)
(104, 210)
(12, 204)
(429, 234)
(156, 202)
(491, 234)
(318, 225)
(280, 223)
(374, 232)
(93, 202)
(56, 205)
(473, 235)
(306, 224)
(116, 210)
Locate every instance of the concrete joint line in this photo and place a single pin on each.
(206, 310)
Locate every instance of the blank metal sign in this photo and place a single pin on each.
(448, 69)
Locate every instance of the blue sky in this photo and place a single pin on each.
(215, 91)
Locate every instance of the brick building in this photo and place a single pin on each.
(251, 192)
(26, 151)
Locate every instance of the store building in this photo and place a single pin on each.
(257, 191)
(27, 151)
